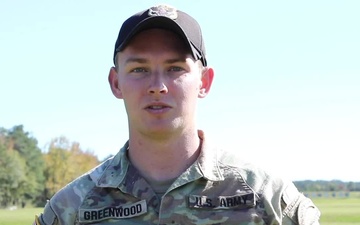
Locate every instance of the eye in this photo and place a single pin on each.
(176, 69)
(139, 70)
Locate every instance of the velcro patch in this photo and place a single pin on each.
(123, 211)
(240, 201)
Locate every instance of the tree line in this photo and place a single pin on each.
(327, 186)
(30, 176)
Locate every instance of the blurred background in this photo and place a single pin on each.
(286, 93)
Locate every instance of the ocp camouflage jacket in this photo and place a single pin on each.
(217, 189)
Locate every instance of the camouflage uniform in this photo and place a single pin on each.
(216, 189)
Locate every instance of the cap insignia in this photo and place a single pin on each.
(163, 10)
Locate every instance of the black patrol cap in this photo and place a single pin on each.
(164, 17)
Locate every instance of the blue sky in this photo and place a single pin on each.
(286, 93)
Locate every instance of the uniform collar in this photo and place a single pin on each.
(114, 170)
(208, 160)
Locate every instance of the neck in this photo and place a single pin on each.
(164, 159)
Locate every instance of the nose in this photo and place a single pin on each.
(157, 84)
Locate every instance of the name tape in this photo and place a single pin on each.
(223, 202)
(123, 211)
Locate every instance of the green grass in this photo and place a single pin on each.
(334, 211)
(339, 211)
(18, 216)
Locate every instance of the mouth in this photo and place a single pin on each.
(157, 107)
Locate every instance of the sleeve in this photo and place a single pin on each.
(298, 209)
(48, 217)
(36, 222)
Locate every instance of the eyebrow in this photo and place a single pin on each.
(135, 60)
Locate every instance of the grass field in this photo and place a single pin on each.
(335, 211)
(18, 217)
(339, 211)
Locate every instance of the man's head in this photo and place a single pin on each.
(159, 73)
(164, 17)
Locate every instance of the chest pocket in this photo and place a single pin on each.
(237, 209)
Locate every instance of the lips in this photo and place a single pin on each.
(157, 107)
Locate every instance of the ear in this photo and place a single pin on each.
(206, 81)
(114, 83)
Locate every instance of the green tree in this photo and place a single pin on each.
(12, 177)
(30, 155)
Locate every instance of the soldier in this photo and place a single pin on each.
(168, 172)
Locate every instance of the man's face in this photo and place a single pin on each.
(160, 83)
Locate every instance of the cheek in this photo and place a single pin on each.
(189, 90)
(131, 97)
(194, 87)
(130, 87)
(190, 83)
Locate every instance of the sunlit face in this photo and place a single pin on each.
(160, 83)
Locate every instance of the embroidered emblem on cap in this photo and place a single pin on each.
(163, 10)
